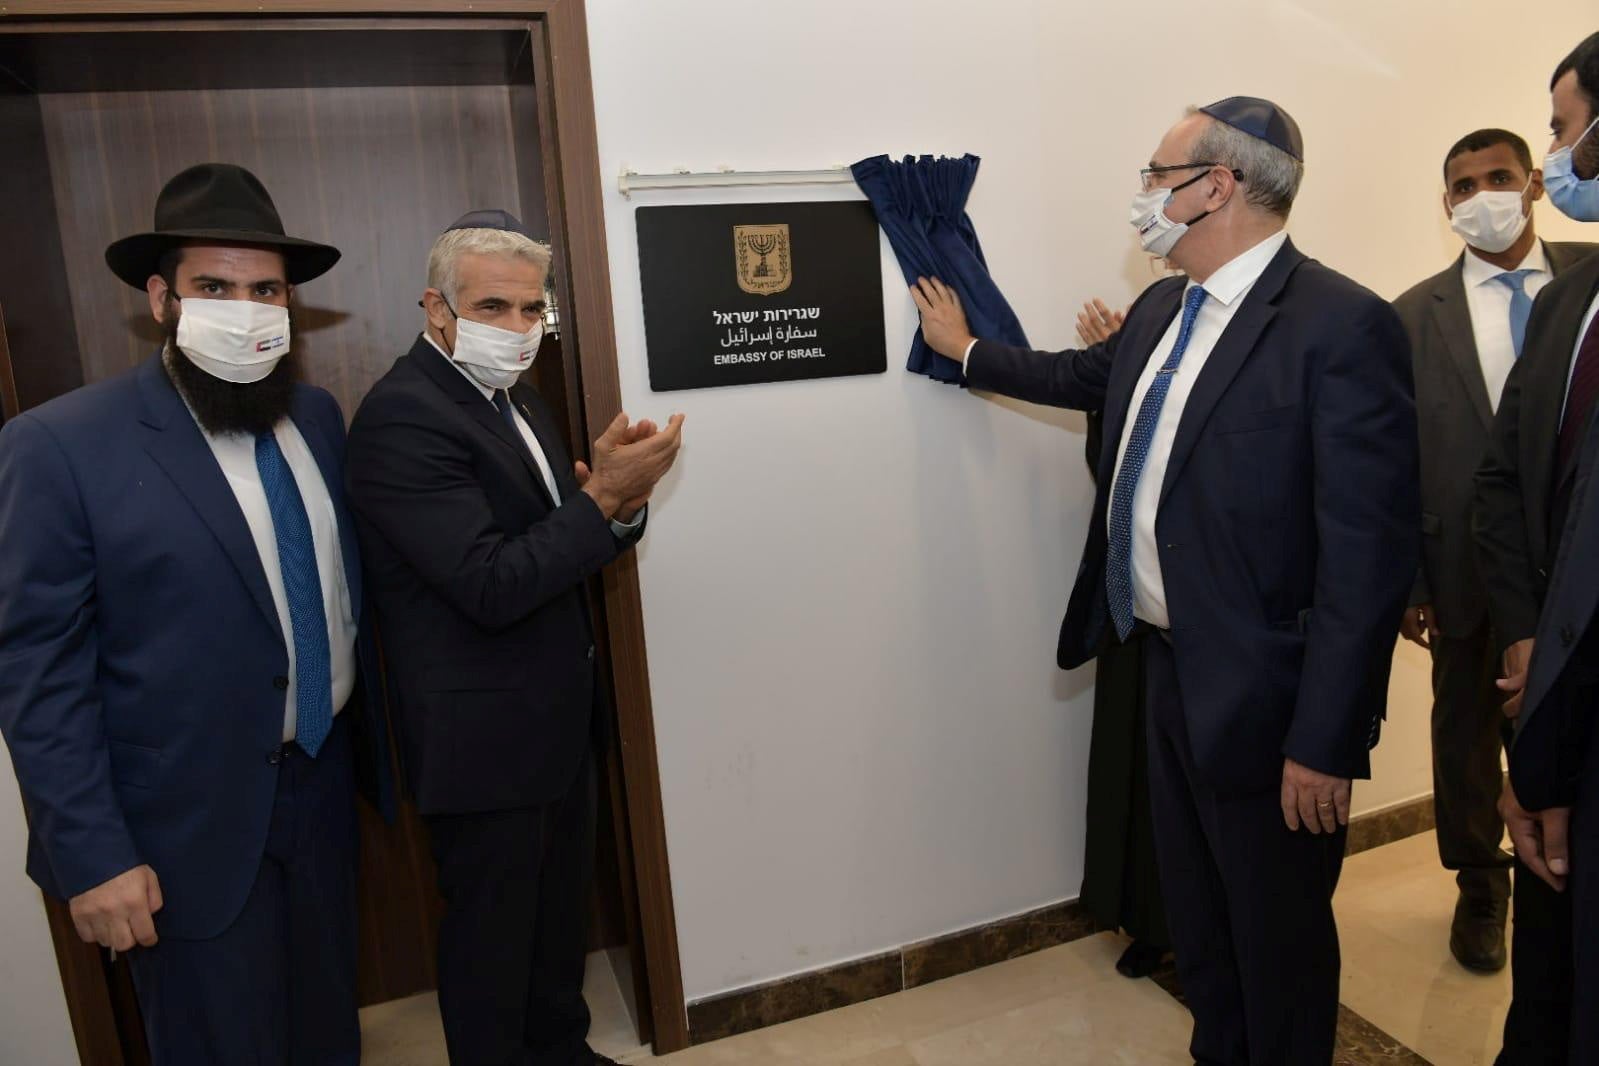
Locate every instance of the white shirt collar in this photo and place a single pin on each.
(1239, 275)
(488, 393)
(1477, 271)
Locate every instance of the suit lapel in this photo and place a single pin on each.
(1546, 390)
(1452, 315)
(477, 406)
(530, 406)
(1232, 351)
(180, 449)
(327, 462)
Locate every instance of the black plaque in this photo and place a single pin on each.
(736, 294)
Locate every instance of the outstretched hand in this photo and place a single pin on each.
(943, 322)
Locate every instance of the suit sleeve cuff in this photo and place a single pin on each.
(966, 356)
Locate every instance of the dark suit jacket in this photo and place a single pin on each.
(1562, 698)
(478, 580)
(1515, 521)
(1287, 522)
(1454, 415)
(142, 663)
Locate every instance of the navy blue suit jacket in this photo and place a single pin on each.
(1562, 698)
(141, 657)
(1288, 521)
(478, 578)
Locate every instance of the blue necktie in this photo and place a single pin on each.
(1119, 564)
(302, 586)
(502, 403)
(1520, 305)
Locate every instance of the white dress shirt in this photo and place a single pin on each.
(1489, 303)
(1225, 289)
(618, 528)
(235, 454)
(1225, 292)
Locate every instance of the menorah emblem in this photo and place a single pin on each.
(763, 246)
(761, 256)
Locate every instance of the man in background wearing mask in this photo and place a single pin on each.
(1527, 488)
(480, 534)
(187, 681)
(1467, 325)
(1257, 516)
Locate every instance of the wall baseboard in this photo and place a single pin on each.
(1376, 828)
(924, 962)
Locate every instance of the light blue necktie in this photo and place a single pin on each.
(302, 587)
(1520, 305)
(1119, 564)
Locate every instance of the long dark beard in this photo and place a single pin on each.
(228, 406)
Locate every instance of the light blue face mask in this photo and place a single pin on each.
(1575, 197)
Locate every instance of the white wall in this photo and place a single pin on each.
(852, 587)
(34, 1026)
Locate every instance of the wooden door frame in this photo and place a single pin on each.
(577, 216)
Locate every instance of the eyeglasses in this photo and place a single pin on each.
(1150, 176)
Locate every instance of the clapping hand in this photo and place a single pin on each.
(1097, 323)
(630, 458)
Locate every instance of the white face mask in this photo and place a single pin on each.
(1157, 233)
(494, 357)
(236, 340)
(1490, 221)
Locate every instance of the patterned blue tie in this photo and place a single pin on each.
(1520, 305)
(1119, 565)
(302, 586)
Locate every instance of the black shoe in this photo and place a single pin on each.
(1477, 936)
(1140, 959)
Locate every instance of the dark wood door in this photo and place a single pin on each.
(375, 152)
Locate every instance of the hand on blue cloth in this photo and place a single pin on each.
(943, 322)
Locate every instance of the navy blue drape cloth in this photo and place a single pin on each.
(921, 205)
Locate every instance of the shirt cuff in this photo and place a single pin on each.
(623, 530)
(967, 354)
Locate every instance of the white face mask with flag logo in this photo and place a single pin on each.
(494, 357)
(236, 340)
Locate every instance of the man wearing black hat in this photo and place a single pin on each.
(183, 652)
(1257, 515)
(479, 534)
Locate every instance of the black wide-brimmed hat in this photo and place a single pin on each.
(216, 202)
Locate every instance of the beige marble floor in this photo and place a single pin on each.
(1394, 906)
(1068, 1005)
(406, 1032)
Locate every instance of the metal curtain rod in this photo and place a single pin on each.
(630, 181)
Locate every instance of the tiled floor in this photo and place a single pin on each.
(407, 1032)
(1068, 1005)
(1394, 905)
